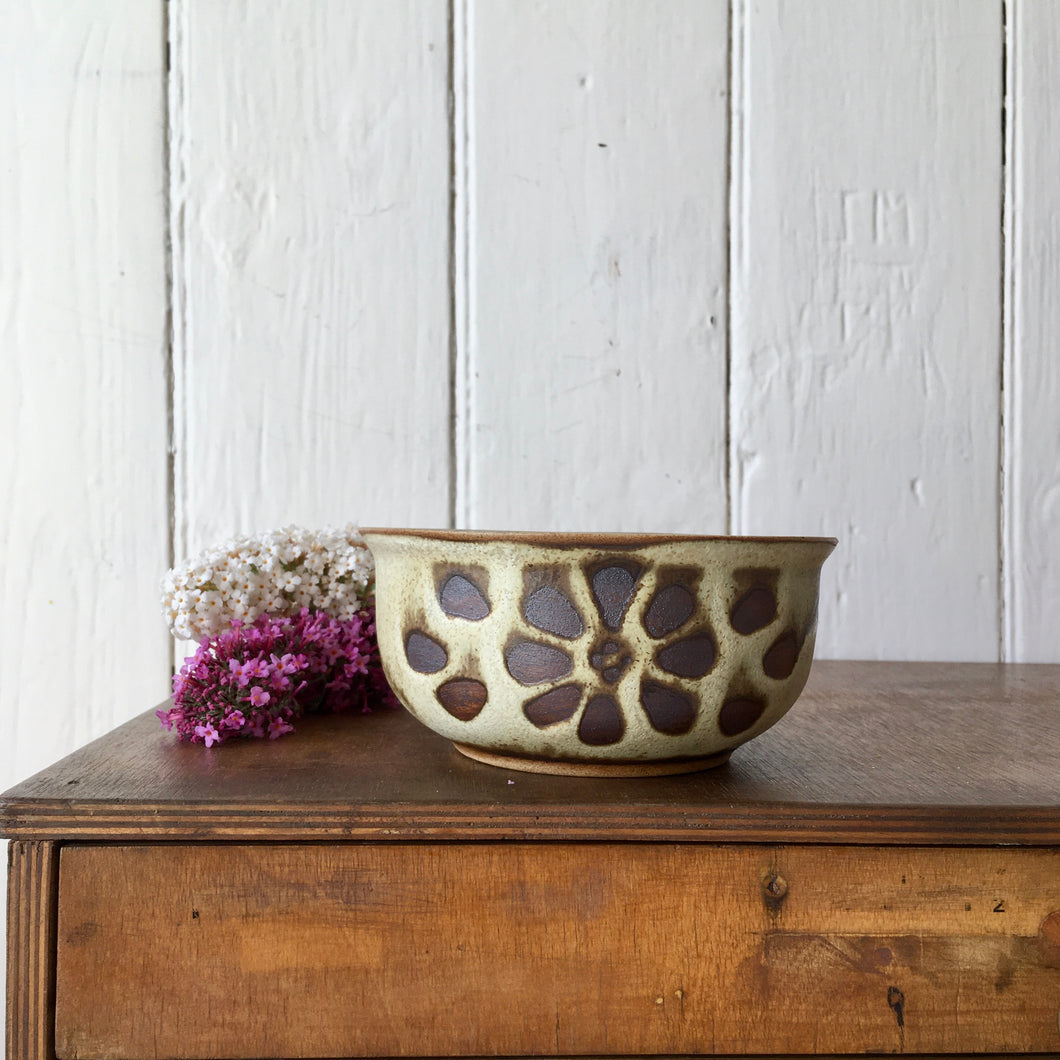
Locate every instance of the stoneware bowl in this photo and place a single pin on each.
(596, 654)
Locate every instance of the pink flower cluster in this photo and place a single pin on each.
(254, 678)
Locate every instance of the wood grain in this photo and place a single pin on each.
(1032, 510)
(311, 230)
(866, 314)
(31, 902)
(557, 950)
(893, 753)
(596, 266)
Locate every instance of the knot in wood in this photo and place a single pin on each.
(774, 886)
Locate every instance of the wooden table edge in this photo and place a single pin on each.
(60, 820)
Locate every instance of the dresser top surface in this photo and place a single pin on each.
(920, 753)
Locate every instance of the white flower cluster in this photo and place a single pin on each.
(278, 573)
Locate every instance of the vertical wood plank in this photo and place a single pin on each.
(311, 198)
(1032, 510)
(596, 213)
(84, 537)
(84, 540)
(866, 311)
(31, 912)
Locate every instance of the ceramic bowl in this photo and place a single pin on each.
(596, 654)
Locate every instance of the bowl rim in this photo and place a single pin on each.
(586, 539)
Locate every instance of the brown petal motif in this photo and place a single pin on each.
(689, 657)
(780, 660)
(548, 609)
(553, 706)
(669, 610)
(463, 697)
(425, 654)
(532, 663)
(754, 610)
(602, 722)
(739, 714)
(462, 598)
(668, 710)
(613, 587)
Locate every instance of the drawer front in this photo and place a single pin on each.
(517, 949)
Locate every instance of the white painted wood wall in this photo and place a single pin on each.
(736, 266)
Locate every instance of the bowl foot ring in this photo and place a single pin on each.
(594, 769)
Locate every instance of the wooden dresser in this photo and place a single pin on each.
(878, 873)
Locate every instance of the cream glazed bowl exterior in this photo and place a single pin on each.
(596, 654)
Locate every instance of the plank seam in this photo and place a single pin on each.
(167, 353)
(461, 229)
(736, 246)
(727, 457)
(1007, 457)
(177, 270)
(454, 424)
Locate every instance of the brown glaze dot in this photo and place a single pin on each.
(781, 658)
(669, 610)
(668, 710)
(690, 657)
(463, 697)
(602, 722)
(530, 663)
(613, 590)
(548, 609)
(739, 714)
(754, 610)
(554, 706)
(425, 654)
(462, 598)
